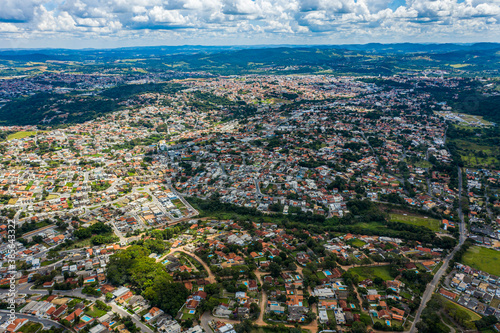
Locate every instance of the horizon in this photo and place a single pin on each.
(249, 45)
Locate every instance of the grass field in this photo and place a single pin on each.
(459, 65)
(30, 327)
(421, 221)
(20, 135)
(95, 312)
(382, 272)
(452, 305)
(487, 260)
(423, 164)
(374, 226)
(356, 242)
(495, 303)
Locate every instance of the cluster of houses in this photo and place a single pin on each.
(474, 289)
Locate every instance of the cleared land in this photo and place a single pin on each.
(20, 135)
(485, 259)
(372, 272)
(420, 221)
(356, 242)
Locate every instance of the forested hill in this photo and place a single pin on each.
(54, 109)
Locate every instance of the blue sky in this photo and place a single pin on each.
(116, 23)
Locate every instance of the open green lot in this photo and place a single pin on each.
(420, 221)
(356, 242)
(95, 312)
(20, 135)
(454, 306)
(372, 272)
(485, 259)
(476, 155)
(495, 303)
(30, 327)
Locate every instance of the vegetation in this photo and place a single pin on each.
(372, 272)
(422, 221)
(20, 135)
(150, 279)
(482, 258)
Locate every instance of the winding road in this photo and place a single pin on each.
(45, 322)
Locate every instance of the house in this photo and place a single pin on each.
(323, 293)
(152, 314)
(384, 314)
(192, 304)
(197, 329)
(323, 316)
(252, 285)
(447, 294)
(120, 292)
(224, 328)
(100, 328)
(297, 313)
(243, 312)
(16, 325)
(60, 311)
(275, 307)
(49, 284)
(223, 312)
(170, 326)
(77, 313)
(199, 295)
(339, 316)
(294, 300)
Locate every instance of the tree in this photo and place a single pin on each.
(358, 327)
(275, 269)
(312, 300)
(109, 297)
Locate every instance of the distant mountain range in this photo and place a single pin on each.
(162, 51)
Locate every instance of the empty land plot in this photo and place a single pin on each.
(421, 221)
(485, 259)
(20, 135)
(373, 272)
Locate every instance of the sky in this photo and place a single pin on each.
(120, 23)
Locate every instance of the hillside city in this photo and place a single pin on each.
(249, 203)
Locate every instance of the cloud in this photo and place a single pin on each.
(289, 21)
(17, 11)
(8, 27)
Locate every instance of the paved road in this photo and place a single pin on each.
(45, 322)
(435, 281)
(257, 187)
